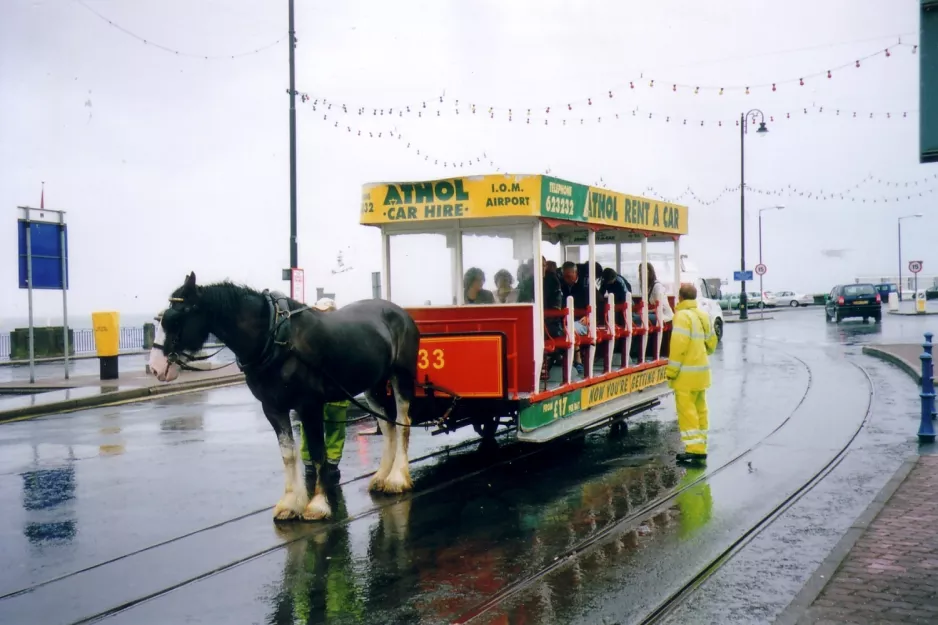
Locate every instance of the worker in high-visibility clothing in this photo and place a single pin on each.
(334, 420)
(692, 342)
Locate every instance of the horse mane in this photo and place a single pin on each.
(226, 298)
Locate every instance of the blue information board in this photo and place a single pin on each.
(46, 247)
(740, 276)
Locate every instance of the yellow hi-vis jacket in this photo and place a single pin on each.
(692, 340)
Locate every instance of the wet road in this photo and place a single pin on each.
(170, 500)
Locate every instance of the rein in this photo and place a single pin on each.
(278, 317)
(177, 359)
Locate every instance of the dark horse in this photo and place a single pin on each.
(298, 358)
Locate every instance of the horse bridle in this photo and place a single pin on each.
(176, 358)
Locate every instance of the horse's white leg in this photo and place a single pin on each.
(294, 497)
(399, 478)
(389, 433)
(318, 507)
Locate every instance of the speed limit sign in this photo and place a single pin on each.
(761, 269)
(915, 266)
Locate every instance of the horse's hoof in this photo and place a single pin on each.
(317, 510)
(288, 508)
(284, 514)
(397, 483)
(376, 484)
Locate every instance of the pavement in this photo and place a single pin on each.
(884, 569)
(160, 511)
(52, 393)
(903, 355)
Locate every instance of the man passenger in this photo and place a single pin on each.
(573, 286)
(692, 342)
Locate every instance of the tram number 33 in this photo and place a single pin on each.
(427, 358)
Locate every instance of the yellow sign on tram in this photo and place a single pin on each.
(480, 197)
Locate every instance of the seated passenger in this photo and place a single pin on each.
(553, 300)
(573, 286)
(526, 281)
(473, 291)
(620, 289)
(504, 294)
(654, 294)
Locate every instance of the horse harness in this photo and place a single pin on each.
(277, 347)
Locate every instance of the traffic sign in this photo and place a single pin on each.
(297, 285)
(761, 269)
(915, 266)
(741, 276)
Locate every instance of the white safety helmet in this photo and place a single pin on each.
(325, 304)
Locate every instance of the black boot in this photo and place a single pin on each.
(689, 457)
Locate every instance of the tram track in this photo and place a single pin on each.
(311, 529)
(674, 600)
(169, 541)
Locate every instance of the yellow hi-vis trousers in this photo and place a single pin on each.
(692, 420)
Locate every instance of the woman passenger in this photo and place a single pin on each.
(473, 291)
(654, 294)
(504, 294)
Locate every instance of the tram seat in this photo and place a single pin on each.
(579, 313)
(556, 347)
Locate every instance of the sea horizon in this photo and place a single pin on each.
(78, 321)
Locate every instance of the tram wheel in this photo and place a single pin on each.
(618, 429)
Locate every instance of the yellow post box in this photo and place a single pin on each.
(107, 342)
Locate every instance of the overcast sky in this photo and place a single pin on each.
(168, 163)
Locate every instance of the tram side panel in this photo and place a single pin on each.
(483, 354)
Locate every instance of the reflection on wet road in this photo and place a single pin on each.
(483, 534)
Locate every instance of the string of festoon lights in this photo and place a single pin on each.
(174, 51)
(638, 113)
(910, 190)
(587, 110)
(446, 162)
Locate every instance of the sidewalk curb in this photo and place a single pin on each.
(105, 399)
(749, 320)
(819, 579)
(903, 364)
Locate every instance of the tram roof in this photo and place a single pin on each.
(494, 196)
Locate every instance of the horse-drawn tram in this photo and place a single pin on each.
(508, 336)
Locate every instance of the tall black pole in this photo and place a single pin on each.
(293, 253)
(743, 304)
(900, 259)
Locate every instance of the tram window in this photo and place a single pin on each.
(497, 266)
(421, 270)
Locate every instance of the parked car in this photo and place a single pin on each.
(754, 299)
(885, 289)
(788, 298)
(731, 301)
(931, 292)
(854, 300)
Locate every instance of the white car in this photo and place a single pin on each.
(788, 298)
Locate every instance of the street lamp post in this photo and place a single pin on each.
(743, 304)
(900, 249)
(768, 208)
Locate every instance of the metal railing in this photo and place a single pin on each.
(130, 339)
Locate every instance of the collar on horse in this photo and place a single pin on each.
(277, 343)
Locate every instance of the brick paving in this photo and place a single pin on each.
(891, 573)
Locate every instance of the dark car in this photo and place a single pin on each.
(854, 300)
(931, 292)
(885, 289)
